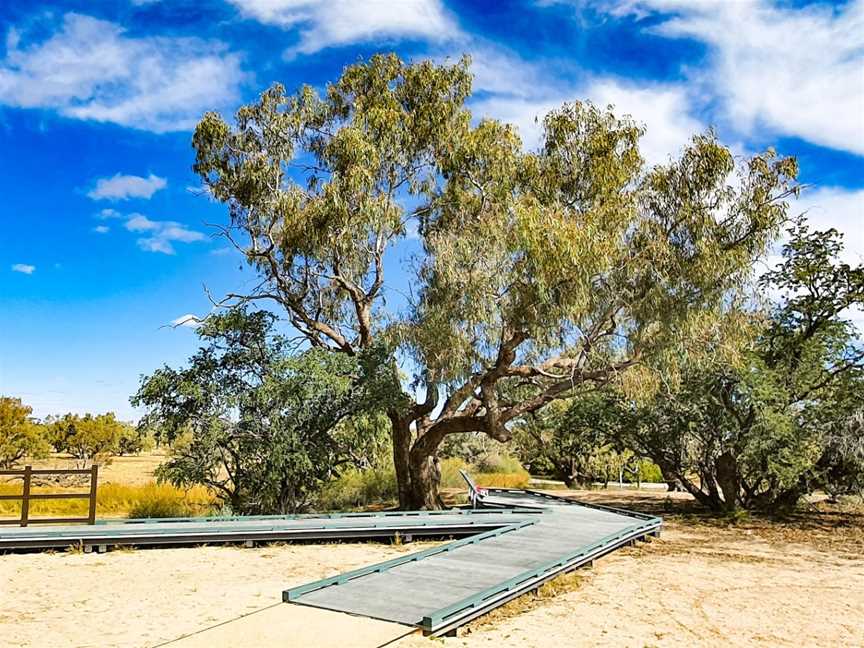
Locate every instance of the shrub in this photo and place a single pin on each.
(650, 472)
(509, 474)
(166, 501)
(359, 489)
(450, 477)
(499, 463)
(502, 480)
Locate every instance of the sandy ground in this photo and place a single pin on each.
(151, 596)
(704, 583)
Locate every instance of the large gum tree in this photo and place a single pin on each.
(540, 272)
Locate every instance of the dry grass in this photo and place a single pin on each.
(563, 584)
(114, 500)
(126, 489)
(502, 480)
(135, 470)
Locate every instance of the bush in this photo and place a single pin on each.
(360, 488)
(650, 472)
(450, 477)
(166, 501)
(500, 463)
(507, 474)
(502, 480)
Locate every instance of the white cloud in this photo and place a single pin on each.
(124, 187)
(188, 320)
(91, 69)
(340, 22)
(794, 71)
(161, 234)
(101, 229)
(24, 268)
(140, 223)
(841, 209)
(108, 213)
(522, 94)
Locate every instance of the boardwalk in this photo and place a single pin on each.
(441, 589)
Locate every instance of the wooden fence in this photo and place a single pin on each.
(27, 473)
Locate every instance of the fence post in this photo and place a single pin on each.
(25, 496)
(94, 476)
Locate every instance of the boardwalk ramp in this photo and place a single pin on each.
(442, 588)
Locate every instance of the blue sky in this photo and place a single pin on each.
(105, 239)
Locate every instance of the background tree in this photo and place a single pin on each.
(539, 272)
(20, 436)
(782, 422)
(569, 440)
(579, 442)
(89, 438)
(263, 428)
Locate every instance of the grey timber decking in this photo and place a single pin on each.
(179, 531)
(442, 589)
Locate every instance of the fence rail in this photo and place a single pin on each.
(27, 495)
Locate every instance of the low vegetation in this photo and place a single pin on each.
(115, 500)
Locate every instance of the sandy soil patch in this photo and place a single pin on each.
(150, 596)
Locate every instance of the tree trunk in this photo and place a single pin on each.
(400, 433)
(728, 479)
(418, 473)
(425, 480)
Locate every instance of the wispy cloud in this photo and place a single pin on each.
(101, 229)
(124, 187)
(522, 93)
(94, 70)
(188, 320)
(161, 235)
(24, 268)
(108, 213)
(794, 71)
(340, 22)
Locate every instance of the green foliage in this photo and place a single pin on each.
(573, 440)
(90, 438)
(540, 272)
(650, 472)
(262, 427)
(360, 489)
(781, 422)
(20, 437)
(480, 452)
